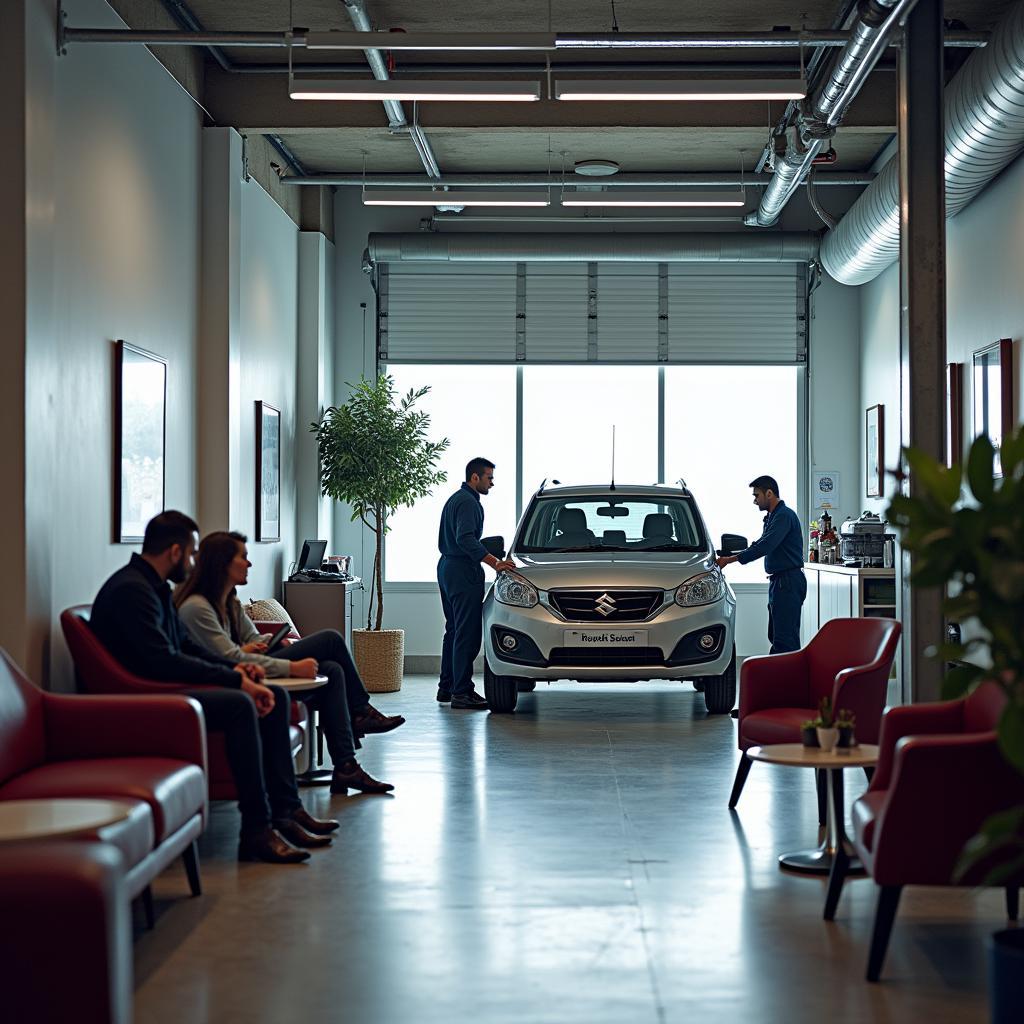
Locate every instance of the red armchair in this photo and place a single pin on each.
(848, 660)
(150, 753)
(99, 672)
(940, 775)
(66, 941)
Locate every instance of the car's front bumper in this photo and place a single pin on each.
(670, 652)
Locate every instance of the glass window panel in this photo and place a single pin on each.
(568, 414)
(475, 408)
(724, 426)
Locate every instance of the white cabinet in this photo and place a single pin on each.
(838, 592)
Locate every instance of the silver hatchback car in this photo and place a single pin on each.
(612, 583)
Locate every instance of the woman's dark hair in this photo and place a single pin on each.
(216, 552)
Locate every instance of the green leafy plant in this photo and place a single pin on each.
(971, 542)
(826, 719)
(376, 458)
(845, 719)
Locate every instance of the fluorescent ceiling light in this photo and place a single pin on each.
(408, 89)
(696, 89)
(620, 197)
(495, 41)
(411, 197)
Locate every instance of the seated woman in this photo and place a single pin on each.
(209, 607)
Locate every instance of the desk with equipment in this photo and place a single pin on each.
(320, 598)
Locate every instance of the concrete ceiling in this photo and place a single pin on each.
(475, 137)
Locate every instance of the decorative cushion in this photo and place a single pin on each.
(269, 610)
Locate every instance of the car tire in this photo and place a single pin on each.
(720, 691)
(526, 685)
(501, 692)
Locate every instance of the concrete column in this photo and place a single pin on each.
(922, 308)
(219, 387)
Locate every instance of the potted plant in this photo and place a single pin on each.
(972, 544)
(827, 733)
(845, 721)
(376, 458)
(809, 732)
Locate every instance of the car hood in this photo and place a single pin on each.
(664, 569)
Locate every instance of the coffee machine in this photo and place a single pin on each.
(862, 541)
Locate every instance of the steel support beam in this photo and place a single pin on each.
(922, 309)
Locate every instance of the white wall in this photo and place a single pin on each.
(833, 400)
(984, 299)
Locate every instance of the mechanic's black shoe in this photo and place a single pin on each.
(443, 696)
(469, 701)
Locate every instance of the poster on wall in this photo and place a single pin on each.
(268, 473)
(874, 448)
(825, 488)
(140, 418)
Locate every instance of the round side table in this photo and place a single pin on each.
(294, 684)
(819, 861)
(42, 819)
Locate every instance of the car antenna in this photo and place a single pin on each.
(540, 490)
(612, 488)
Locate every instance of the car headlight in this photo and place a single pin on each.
(703, 589)
(511, 588)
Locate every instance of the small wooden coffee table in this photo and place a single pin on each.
(44, 819)
(819, 861)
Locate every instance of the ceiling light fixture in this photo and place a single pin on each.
(409, 89)
(682, 90)
(620, 197)
(409, 197)
(596, 168)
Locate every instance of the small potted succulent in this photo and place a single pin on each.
(828, 734)
(845, 721)
(809, 732)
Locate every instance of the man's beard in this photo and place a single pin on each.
(178, 573)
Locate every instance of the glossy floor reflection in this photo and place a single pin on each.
(574, 862)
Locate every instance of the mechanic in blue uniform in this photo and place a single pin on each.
(781, 545)
(460, 576)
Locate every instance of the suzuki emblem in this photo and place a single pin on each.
(605, 604)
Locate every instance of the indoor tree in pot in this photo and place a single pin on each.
(973, 545)
(376, 458)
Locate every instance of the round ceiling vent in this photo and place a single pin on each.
(596, 168)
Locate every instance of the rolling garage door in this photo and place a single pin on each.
(592, 312)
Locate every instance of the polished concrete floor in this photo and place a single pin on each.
(574, 862)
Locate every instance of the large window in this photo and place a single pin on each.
(475, 408)
(717, 427)
(568, 415)
(724, 426)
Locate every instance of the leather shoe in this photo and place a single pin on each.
(443, 696)
(469, 701)
(298, 836)
(269, 847)
(351, 776)
(318, 826)
(369, 720)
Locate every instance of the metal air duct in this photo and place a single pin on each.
(776, 247)
(984, 132)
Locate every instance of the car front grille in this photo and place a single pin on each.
(605, 605)
(606, 657)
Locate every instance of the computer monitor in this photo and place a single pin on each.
(312, 554)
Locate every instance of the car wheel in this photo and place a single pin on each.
(698, 685)
(501, 692)
(720, 691)
(526, 685)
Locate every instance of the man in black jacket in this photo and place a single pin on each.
(135, 619)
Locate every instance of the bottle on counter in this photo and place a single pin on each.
(812, 550)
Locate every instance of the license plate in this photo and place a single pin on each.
(605, 638)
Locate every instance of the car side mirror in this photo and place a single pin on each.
(495, 546)
(733, 544)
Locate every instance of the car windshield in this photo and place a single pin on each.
(612, 522)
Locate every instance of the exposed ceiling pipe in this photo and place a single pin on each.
(774, 247)
(396, 114)
(820, 113)
(679, 179)
(984, 132)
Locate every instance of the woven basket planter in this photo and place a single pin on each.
(380, 658)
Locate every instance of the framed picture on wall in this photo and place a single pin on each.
(874, 449)
(954, 413)
(992, 395)
(140, 434)
(268, 473)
